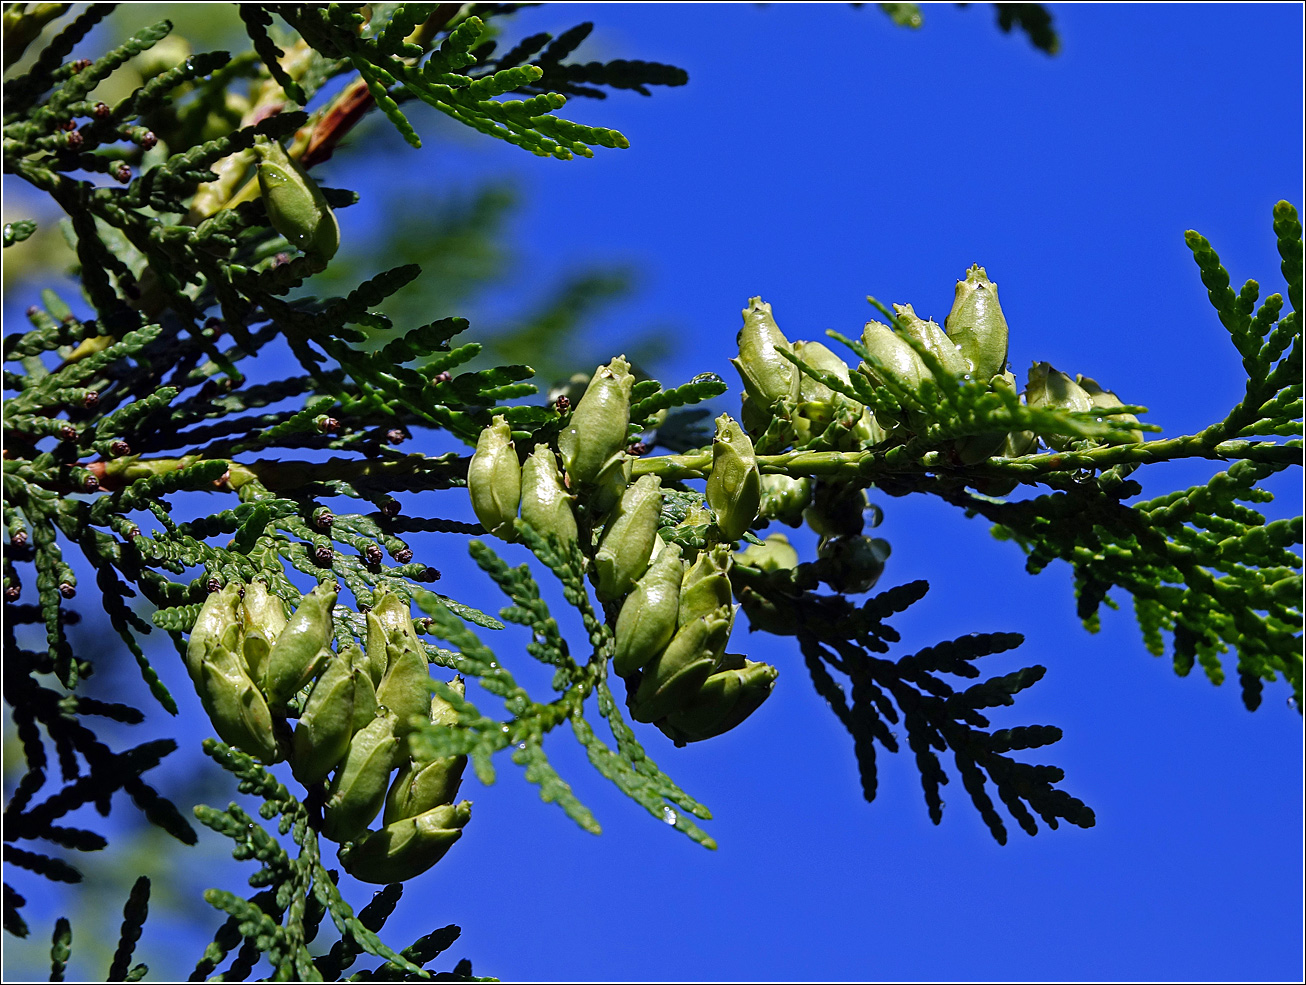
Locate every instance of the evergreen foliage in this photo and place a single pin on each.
(119, 425)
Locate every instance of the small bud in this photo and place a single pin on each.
(118, 448)
(101, 111)
(67, 589)
(90, 399)
(561, 405)
(494, 480)
(212, 585)
(597, 429)
(647, 620)
(623, 554)
(324, 555)
(90, 484)
(403, 555)
(372, 555)
(295, 204)
(676, 674)
(734, 485)
(976, 324)
(122, 174)
(390, 508)
(442, 377)
(358, 790)
(726, 698)
(775, 554)
(75, 140)
(323, 518)
(300, 651)
(768, 377)
(545, 504)
(396, 436)
(148, 140)
(327, 424)
(706, 587)
(407, 848)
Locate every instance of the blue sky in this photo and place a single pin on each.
(820, 154)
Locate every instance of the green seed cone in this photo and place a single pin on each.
(706, 587)
(853, 564)
(235, 706)
(1050, 387)
(724, 701)
(930, 337)
(734, 485)
(768, 377)
(407, 848)
(675, 675)
(365, 703)
(774, 554)
(598, 425)
(647, 620)
(896, 359)
(784, 499)
(545, 504)
(623, 554)
(359, 787)
(295, 205)
(976, 324)
(218, 624)
(263, 618)
(300, 652)
(494, 480)
(1106, 400)
(323, 732)
(406, 687)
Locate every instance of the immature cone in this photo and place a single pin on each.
(930, 337)
(976, 324)
(677, 673)
(263, 619)
(545, 503)
(234, 704)
(768, 377)
(1106, 400)
(734, 485)
(408, 847)
(706, 587)
(323, 732)
(784, 499)
(897, 360)
(980, 447)
(623, 554)
(301, 650)
(774, 554)
(405, 688)
(1050, 387)
(494, 480)
(725, 699)
(598, 425)
(421, 785)
(218, 624)
(359, 787)
(365, 703)
(853, 564)
(647, 620)
(295, 205)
